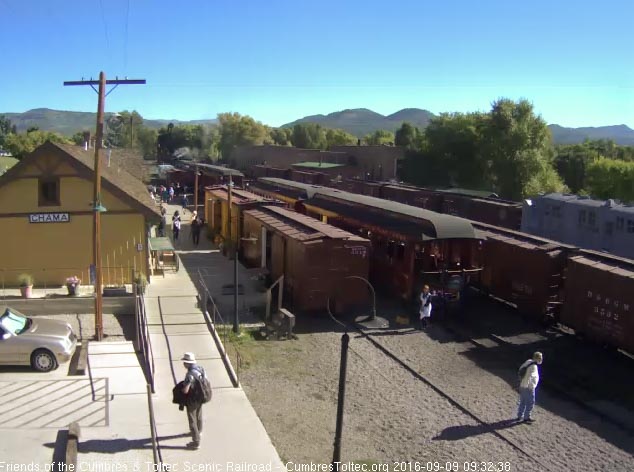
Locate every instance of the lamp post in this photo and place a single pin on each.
(336, 455)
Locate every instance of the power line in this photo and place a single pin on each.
(105, 26)
(9, 7)
(125, 47)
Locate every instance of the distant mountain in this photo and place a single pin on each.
(70, 122)
(415, 116)
(620, 134)
(361, 121)
(358, 121)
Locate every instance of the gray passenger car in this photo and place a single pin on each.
(39, 342)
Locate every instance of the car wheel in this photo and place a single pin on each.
(43, 360)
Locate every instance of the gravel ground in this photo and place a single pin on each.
(393, 416)
(115, 327)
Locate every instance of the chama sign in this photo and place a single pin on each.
(49, 217)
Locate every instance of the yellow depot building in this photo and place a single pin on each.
(46, 219)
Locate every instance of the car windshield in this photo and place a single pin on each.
(13, 321)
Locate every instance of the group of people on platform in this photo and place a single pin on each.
(168, 194)
(196, 225)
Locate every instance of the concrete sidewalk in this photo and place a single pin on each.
(111, 404)
(233, 433)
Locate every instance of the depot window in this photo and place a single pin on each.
(48, 194)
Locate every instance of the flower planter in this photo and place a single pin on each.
(27, 291)
(73, 290)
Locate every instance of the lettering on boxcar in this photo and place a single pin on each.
(358, 250)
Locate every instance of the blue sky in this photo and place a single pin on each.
(279, 60)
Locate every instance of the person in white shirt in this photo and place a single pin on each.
(529, 378)
(425, 307)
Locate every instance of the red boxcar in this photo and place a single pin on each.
(599, 299)
(525, 271)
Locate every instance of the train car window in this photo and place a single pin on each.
(582, 217)
(620, 223)
(630, 226)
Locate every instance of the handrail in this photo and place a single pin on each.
(156, 452)
(144, 344)
(222, 339)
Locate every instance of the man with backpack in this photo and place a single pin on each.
(528, 378)
(197, 391)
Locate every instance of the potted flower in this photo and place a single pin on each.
(140, 283)
(26, 285)
(72, 284)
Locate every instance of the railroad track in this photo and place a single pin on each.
(440, 391)
(546, 383)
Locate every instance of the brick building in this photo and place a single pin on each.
(369, 162)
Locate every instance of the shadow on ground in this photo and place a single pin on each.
(114, 446)
(456, 433)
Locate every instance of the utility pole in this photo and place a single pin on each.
(98, 208)
(196, 187)
(236, 321)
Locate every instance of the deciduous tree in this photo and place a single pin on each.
(6, 129)
(282, 136)
(338, 137)
(23, 143)
(518, 142)
(379, 137)
(407, 136)
(611, 178)
(309, 136)
(237, 130)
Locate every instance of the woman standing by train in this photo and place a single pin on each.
(425, 307)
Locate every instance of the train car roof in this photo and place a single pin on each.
(213, 168)
(444, 226)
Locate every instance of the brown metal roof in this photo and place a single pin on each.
(115, 179)
(239, 196)
(298, 226)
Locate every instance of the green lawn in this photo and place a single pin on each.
(6, 163)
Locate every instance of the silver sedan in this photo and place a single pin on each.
(39, 342)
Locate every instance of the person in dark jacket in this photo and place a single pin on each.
(178, 396)
(176, 225)
(194, 406)
(195, 229)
